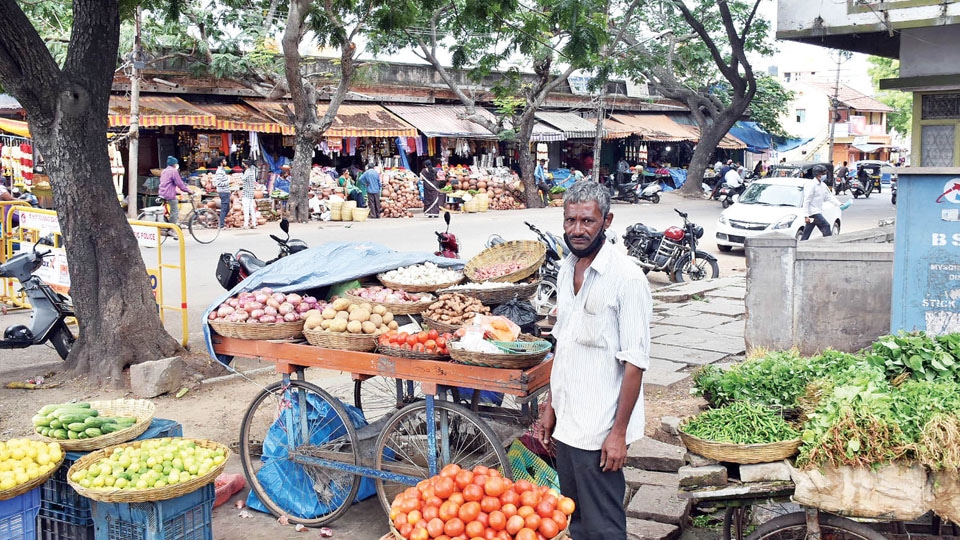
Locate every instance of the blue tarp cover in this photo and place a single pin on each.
(757, 140)
(781, 144)
(326, 264)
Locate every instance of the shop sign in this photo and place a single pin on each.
(54, 270)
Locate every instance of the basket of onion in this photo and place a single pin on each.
(263, 314)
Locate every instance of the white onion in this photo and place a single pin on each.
(257, 313)
(268, 319)
(292, 316)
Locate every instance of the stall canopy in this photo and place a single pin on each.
(443, 121)
(156, 111)
(545, 133)
(352, 120)
(757, 140)
(572, 126)
(728, 142)
(238, 117)
(15, 126)
(651, 127)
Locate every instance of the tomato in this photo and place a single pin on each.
(489, 504)
(443, 537)
(444, 487)
(545, 509)
(498, 520)
(463, 478)
(412, 340)
(453, 527)
(495, 472)
(549, 528)
(412, 493)
(419, 347)
(530, 498)
(484, 518)
(422, 337)
(522, 485)
(430, 344)
(448, 510)
(400, 520)
(566, 505)
(525, 511)
(429, 512)
(433, 334)
(480, 469)
(504, 535)
(474, 529)
(457, 497)
(489, 534)
(532, 521)
(494, 486)
(450, 471)
(402, 337)
(432, 501)
(406, 347)
(526, 533)
(409, 504)
(509, 497)
(560, 519)
(419, 534)
(441, 342)
(514, 524)
(435, 527)
(414, 516)
(469, 511)
(480, 479)
(509, 509)
(472, 492)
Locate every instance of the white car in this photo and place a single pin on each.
(769, 205)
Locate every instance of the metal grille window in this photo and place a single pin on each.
(940, 107)
(937, 145)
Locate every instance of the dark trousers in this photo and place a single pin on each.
(599, 495)
(373, 200)
(819, 222)
(545, 192)
(224, 207)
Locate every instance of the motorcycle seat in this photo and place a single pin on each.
(250, 263)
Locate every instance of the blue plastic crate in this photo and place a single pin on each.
(53, 525)
(18, 516)
(62, 503)
(189, 517)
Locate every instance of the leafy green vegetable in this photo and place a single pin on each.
(918, 355)
(740, 423)
(558, 189)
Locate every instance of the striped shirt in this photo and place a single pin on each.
(606, 324)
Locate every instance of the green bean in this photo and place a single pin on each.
(740, 423)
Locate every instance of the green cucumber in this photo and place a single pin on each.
(126, 420)
(56, 423)
(93, 421)
(59, 433)
(82, 435)
(67, 419)
(93, 432)
(41, 420)
(39, 429)
(47, 409)
(72, 435)
(77, 426)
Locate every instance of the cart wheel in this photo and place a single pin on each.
(794, 527)
(382, 396)
(276, 432)
(402, 445)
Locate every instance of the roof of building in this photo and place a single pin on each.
(851, 98)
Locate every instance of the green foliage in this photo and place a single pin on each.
(918, 355)
(740, 423)
(901, 119)
(558, 189)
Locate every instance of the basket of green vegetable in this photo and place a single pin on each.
(740, 433)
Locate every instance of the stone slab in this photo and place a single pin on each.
(640, 477)
(689, 309)
(657, 330)
(696, 460)
(699, 321)
(670, 424)
(641, 529)
(664, 366)
(676, 353)
(703, 341)
(658, 503)
(709, 475)
(664, 379)
(653, 455)
(733, 329)
(765, 472)
(157, 377)
(721, 306)
(737, 293)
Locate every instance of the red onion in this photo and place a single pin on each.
(310, 300)
(212, 316)
(268, 319)
(225, 311)
(266, 290)
(294, 298)
(270, 310)
(273, 303)
(241, 315)
(279, 297)
(252, 305)
(290, 317)
(261, 297)
(233, 302)
(304, 307)
(285, 308)
(257, 313)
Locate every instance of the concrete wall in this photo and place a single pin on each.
(826, 293)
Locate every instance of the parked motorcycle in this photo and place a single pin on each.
(50, 308)
(650, 191)
(234, 268)
(673, 251)
(449, 247)
(628, 191)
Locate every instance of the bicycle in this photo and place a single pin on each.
(203, 223)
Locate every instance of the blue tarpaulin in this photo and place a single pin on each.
(757, 140)
(783, 144)
(324, 265)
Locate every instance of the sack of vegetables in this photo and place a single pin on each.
(740, 433)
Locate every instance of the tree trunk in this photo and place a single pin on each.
(299, 205)
(527, 161)
(67, 112)
(710, 136)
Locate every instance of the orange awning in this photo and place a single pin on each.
(238, 117)
(661, 128)
(352, 120)
(156, 111)
(15, 126)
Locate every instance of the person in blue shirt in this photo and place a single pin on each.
(370, 180)
(540, 177)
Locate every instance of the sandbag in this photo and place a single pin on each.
(893, 492)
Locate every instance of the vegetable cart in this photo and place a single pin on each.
(320, 449)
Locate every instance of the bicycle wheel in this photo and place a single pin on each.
(204, 225)
(144, 217)
(794, 527)
(462, 438)
(277, 432)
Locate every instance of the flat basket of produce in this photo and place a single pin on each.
(46, 456)
(493, 293)
(426, 277)
(263, 314)
(451, 311)
(510, 261)
(396, 301)
(740, 433)
(427, 345)
(95, 424)
(505, 360)
(243, 330)
(344, 341)
(96, 475)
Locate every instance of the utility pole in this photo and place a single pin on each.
(598, 137)
(133, 158)
(842, 57)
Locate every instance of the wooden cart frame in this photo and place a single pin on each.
(321, 455)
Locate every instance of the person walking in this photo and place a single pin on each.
(540, 178)
(370, 180)
(221, 181)
(248, 201)
(840, 182)
(595, 406)
(815, 193)
(431, 193)
(171, 184)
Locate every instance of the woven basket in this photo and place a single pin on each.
(283, 330)
(493, 297)
(346, 211)
(403, 353)
(529, 253)
(394, 534)
(31, 484)
(142, 409)
(740, 453)
(406, 308)
(156, 172)
(505, 360)
(343, 341)
(472, 206)
(417, 288)
(443, 328)
(360, 214)
(113, 495)
(336, 213)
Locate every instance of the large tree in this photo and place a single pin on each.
(901, 119)
(705, 53)
(66, 108)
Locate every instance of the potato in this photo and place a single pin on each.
(392, 325)
(311, 313)
(313, 321)
(341, 304)
(352, 307)
(368, 327)
(354, 327)
(383, 328)
(376, 319)
(338, 325)
(367, 307)
(326, 324)
(343, 315)
(363, 315)
(379, 310)
(387, 317)
(329, 313)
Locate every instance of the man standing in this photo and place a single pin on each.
(840, 183)
(595, 406)
(370, 180)
(248, 200)
(814, 195)
(540, 177)
(170, 185)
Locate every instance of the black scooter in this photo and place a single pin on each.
(235, 267)
(50, 308)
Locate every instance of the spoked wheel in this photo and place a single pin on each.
(282, 428)
(204, 225)
(382, 396)
(705, 268)
(794, 527)
(546, 297)
(462, 438)
(62, 338)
